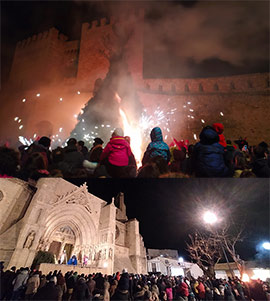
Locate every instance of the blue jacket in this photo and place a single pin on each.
(209, 155)
(157, 147)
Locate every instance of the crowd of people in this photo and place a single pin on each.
(26, 284)
(212, 156)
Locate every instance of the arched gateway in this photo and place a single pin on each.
(67, 220)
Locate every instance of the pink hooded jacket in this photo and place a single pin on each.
(117, 151)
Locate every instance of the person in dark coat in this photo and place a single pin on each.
(6, 283)
(41, 146)
(208, 155)
(48, 292)
(73, 159)
(96, 151)
(81, 290)
(157, 147)
(122, 291)
(82, 148)
(261, 166)
(9, 161)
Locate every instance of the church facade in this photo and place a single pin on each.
(61, 218)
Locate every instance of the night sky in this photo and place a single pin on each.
(182, 38)
(169, 209)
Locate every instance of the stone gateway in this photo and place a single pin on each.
(67, 220)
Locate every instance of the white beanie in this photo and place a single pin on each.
(118, 132)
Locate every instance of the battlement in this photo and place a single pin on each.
(38, 39)
(228, 84)
(113, 19)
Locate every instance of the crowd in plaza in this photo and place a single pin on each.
(212, 156)
(26, 284)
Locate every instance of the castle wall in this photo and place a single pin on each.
(93, 63)
(245, 110)
(76, 65)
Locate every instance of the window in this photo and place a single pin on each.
(154, 267)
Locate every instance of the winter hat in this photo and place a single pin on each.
(98, 140)
(45, 141)
(124, 271)
(118, 132)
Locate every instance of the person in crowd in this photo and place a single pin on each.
(219, 128)
(96, 151)
(261, 166)
(9, 162)
(178, 159)
(61, 284)
(81, 291)
(35, 167)
(157, 147)
(73, 159)
(57, 158)
(240, 164)
(82, 148)
(91, 283)
(116, 155)
(32, 286)
(48, 292)
(122, 291)
(208, 155)
(19, 284)
(40, 146)
(7, 278)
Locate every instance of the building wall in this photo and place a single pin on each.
(76, 65)
(58, 204)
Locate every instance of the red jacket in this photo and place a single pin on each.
(219, 128)
(201, 290)
(117, 151)
(182, 289)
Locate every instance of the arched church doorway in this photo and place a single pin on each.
(62, 243)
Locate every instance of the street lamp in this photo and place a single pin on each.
(210, 217)
(266, 245)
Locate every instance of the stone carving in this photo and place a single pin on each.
(76, 196)
(110, 253)
(29, 240)
(1, 195)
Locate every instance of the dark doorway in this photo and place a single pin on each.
(55, 248)
(68, 248)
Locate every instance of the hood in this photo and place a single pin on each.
(219, 128)
(118, 142)
(156, 134)
(209, 136)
